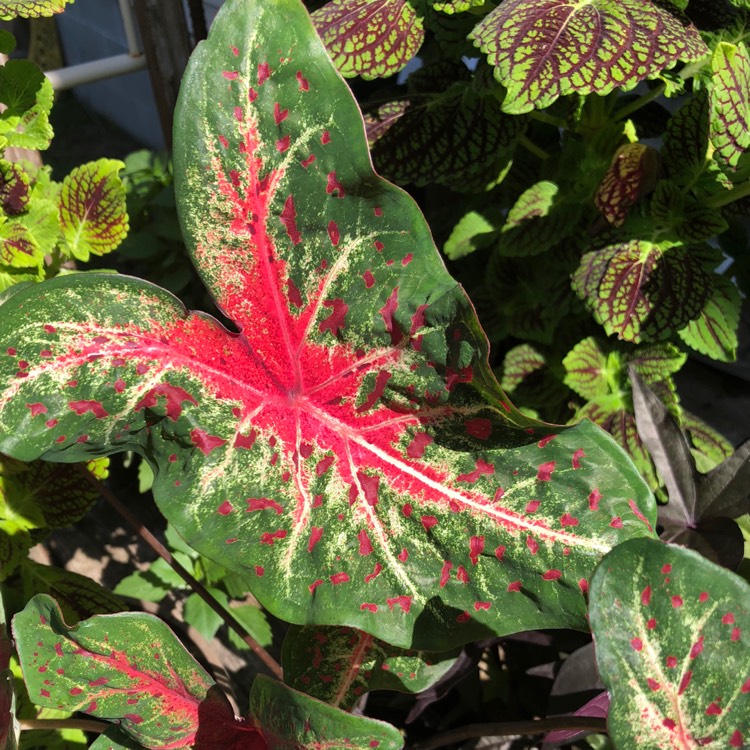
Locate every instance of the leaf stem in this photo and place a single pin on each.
(641, 101)
(542, 116)
(85, 725)
(273, 666)
(730, 196)
(530, 146)
(513, 728)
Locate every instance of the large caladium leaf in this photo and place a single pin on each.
(670, 630)
(348, 450)
(543, 49)
(294, 721)
(339, 665)
(129, 668)
(370, 38)
(31, 8)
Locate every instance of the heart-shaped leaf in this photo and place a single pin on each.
(127, 667)
(349, 450)
(31, 8)
(339, 665)
(671, 645)
(295, 721)
(370, 38)
(543, 49)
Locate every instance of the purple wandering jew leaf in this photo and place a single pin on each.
(597, 707)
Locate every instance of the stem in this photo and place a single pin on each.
(641, 101)
(273, 666)
(735, 194)
(541, 116)
(513, 728)
(531, 147)
(85, 725)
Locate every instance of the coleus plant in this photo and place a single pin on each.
(341, 442)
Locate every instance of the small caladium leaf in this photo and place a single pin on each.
(670, 630)
(295, 721)
(472, 232)
(93, 216)
(641, 292)
(347, 450)
(729, 98)
(543, 49)
(714, 331)
(129, 668)
(31, 8)
(370, 38)
(633, 172)
(338, 665)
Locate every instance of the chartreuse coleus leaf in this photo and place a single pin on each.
(93, 215)
(294, 721)
(129, 668)
(543, 49)
(347, 450)
(671, 644)
(339, 665)
(370, 38)
(474, 230)
(31, 8)
(31, 129)
(641, 291)
(456, 6)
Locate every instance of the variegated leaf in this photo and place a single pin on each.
(9, 726)
(294, 721)
(474, 230)
(348, 449)
(127, 667)
(543, 49)
(519, 363)
(339, 665)
(31, 8)
(17, 246)
(14, 188)
(370, 38)
(456, 6)
(670, 630)
(589, 371)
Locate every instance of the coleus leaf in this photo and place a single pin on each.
(14, 188)
(642, 292)
(129, 668)
(691, 221)
(31, 129)
(370, 38)
(543, 49)
(17, 246)
(339, 665)
(456, 6)
(473, 231)
(294, 721)
(93, 216)
(519, 363)
(348, 450)
(670, 630)
(31, 8)
(729, 97)
(589, 371)
(20, 82)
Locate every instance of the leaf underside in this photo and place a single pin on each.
(348, 450)
(671, 642)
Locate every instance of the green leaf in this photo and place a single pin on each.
(14, 188)
(519, 363)
(7, 42)
(472, 232)
(714, 331)
(347, 449)
(729, 97)
(9, 727)
(42, 223)
(93, 217)
(128, 667)
(670, 644)
(370, 38)
(294, 721)
(202, 617)
(143, 585)
(254, 620)
(456, 6)
(338, 665)
(589, 371)
(642, 292)
(543, 49)
(20, 83)
(655, 363)
(711, 448)
(691, 221)
(31, 129)
(17, 247)
(31, 8)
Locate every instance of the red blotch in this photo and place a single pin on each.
(545, 471)
(514, 586)
(476, 547)
(323, 465)
(703, 597)
(61, 439)
(82, 407)
(697, 648)
(304, 85)
(245, 441)
(499, 492)
(428, 522)
(264, 72)
(482, 469)
(637, 644)
(552, 575)
(230, 75)
(224, 142)
(380, 383)
(119, 385)
(616, 522)
(736, 635)
(666, 568)
(403, 555)
(225, 508)
(728, 619)
(500, 552)
(314, 585)
(263, 503)
(279, 115)
(307, 162)
(288, 218)
(235, 51)
(545, 440)
(445, 573)
(369, 486)
(736, 740)
(402, 601)
(462, 574)
(58, 646)
(714, 709)
(337, 578)
(44, 693)
(174, 398)
(594, 497)
(568, 520)
(646, 596)
(407, 510)
(463, 617)
(479, 428)
(533, 506)
(334, 186)
(388, 313)
(365, 545)
(677, 601)
(315, 535)
(283, 144)
(335, 322)
(532, 545)
(205, 442)
(577, 456)
(407, 259)
(368, 606)
(379, 246)
(653, 684)
(375, 573)
(325, 138)
(259, 570)
(746, 687)
(482, 605)
(369, 279)
(76, 691)
(669, 723)
(671, 662)
(36, 409)
(637, 513)
(270, 537)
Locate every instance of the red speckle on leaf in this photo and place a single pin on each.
(402, 601)
(205, 442)
(263, 503)
(532, 506)
(407, 510)
(365, 545)
(119, 385)
(230, 75)
(646, 596)
(279, 115)
(388, 313)
(552, 575)
(666, 569)
(264, 73)
(703, 596)
(616, 522)
(736, 635)
(568, 520)
(594, 497)
(224, 142)
(252, 95)
(369, 487)
(462, 574)
(334, 186)
(697, 648)
(736, 739)
(745, 687)
(482, 468)
(82, 407)
(714, 709)
(379, 246)
(335, 322)
(545, 471)
(307, 162)
(668, 724)
(315, 534)
(445, 573)
(82, 439)
(637, 644)
(337, 578)
(532, 544)
(76, 691)
(403, 555)
(99, 681)
(259, 570)
(671, 662)
(270, 537)
(653, 684)
(407, 259)
(499, 492)
(375, 573)
(369, 279)
(677, 601)
(323, 465)
(500, 552)
(325, 138)
(314, 585)
(476, 547)
(578, 454)
(545, 440)
(235, 51)
(637, 513)
(44, 693)
(482, 605)
(479, 428)
(428, 522)
(302, 81)
(174, 397)
(728, 619)
(514, 586)
(239, 115)
(283, 144)
(61, 439)
(36, 409)
(380, 384)
(288, 217)
(368, 606)
(333, 233)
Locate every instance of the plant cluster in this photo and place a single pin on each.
(342, 449)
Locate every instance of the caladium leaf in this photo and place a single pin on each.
(642, 292)
(339, 665)
(729, 97)
(670, 630)
(370, 38)
(31, 8)
(294, 721)
(543, 49)
(348, 450)
(129, 668)
(115, 739)
(93, 216)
